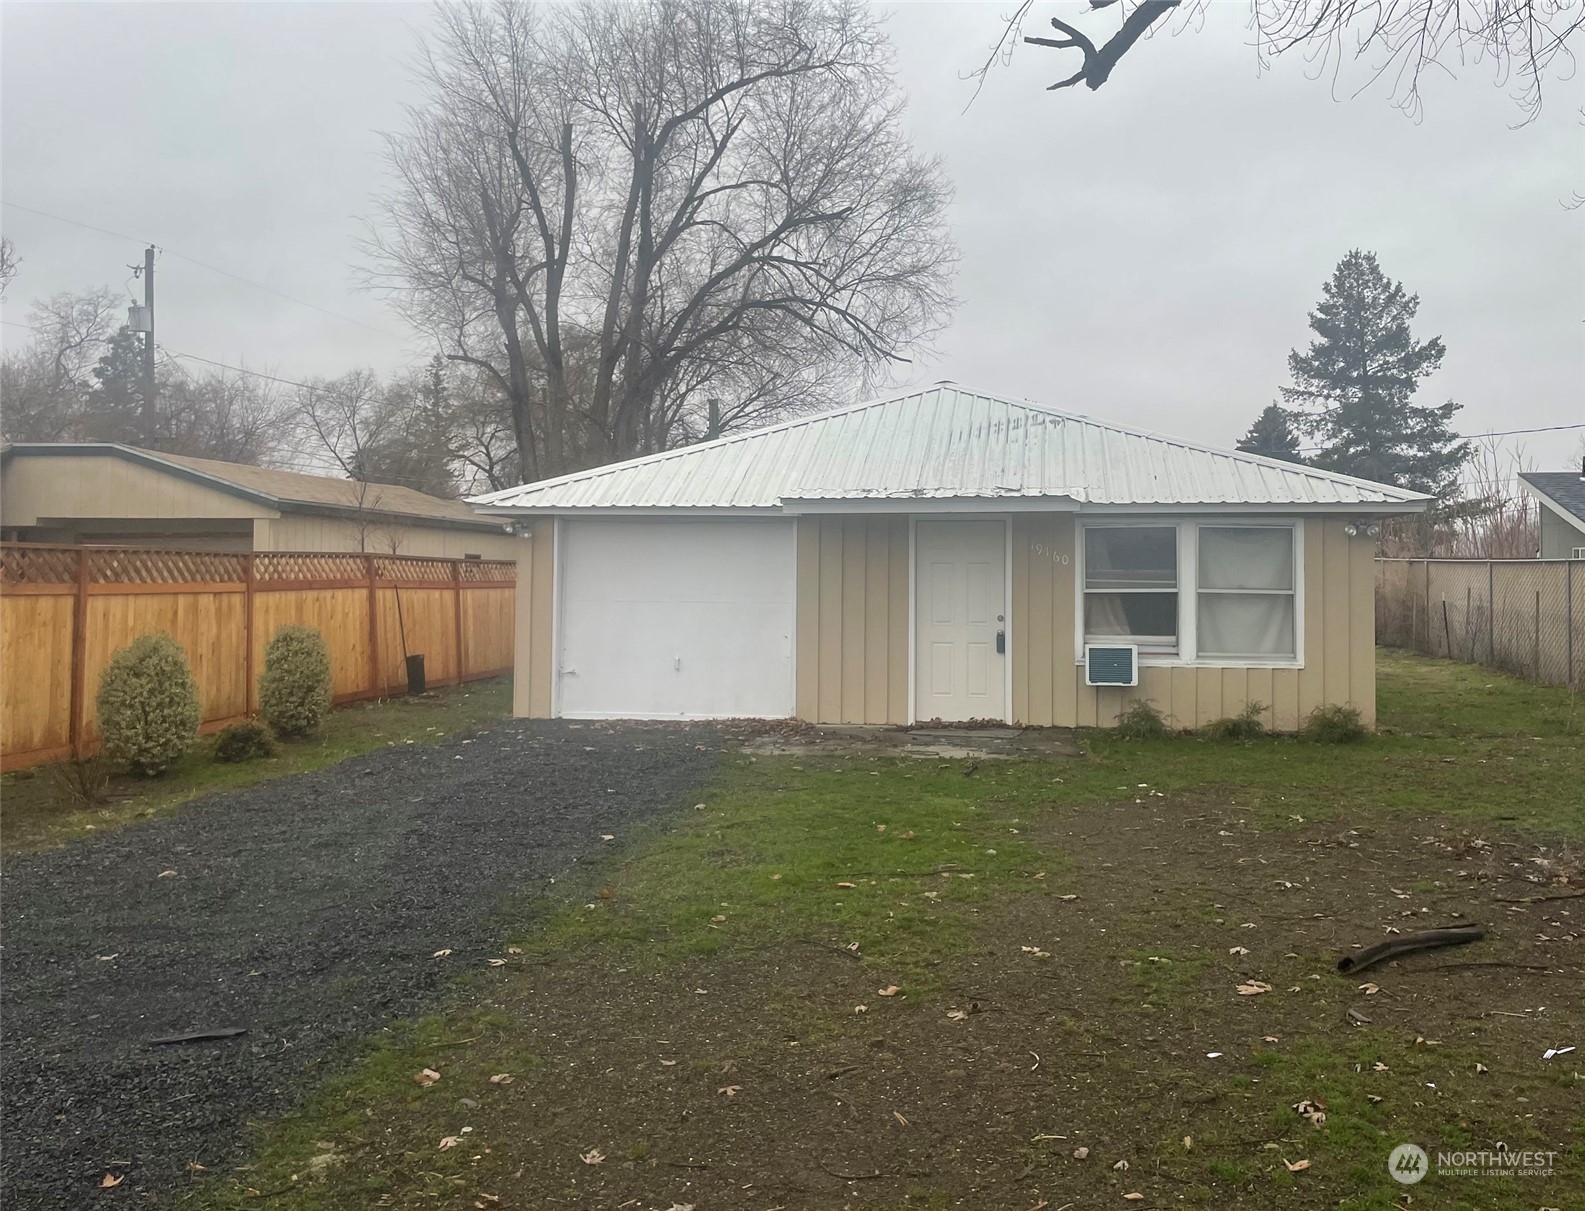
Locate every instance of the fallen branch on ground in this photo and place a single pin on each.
(1425, 939)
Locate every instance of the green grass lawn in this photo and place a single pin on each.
(38, 809)
(888, 983)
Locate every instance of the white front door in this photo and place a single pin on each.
(686, 619)
(960, 620)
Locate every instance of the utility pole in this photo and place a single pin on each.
(148, 413)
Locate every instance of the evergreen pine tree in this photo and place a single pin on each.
(1272, 435)
(1353, 388)
(114, 403)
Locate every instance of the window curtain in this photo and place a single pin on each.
(1246, 592)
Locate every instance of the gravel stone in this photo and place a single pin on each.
(307, 910)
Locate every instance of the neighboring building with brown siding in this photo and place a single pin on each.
(70, 492)
(947, 555)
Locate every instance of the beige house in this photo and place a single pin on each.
(71, 492)
(947, 555)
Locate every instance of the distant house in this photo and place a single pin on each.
(101, 492)
(1561, 495)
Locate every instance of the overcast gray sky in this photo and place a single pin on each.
(1146, 253)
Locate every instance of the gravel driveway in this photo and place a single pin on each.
(306, 910)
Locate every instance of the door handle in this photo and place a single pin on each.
(1001, 643)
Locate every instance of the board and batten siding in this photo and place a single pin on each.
(852, 619)
(853, 623)
(1338, 641)
(534, 666)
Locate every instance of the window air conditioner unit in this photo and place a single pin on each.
(1111, 664)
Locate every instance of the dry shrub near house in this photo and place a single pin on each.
(1246, 725)
(1141, 721)
(148, 704)
(295, 688)
(1334, 724)
(248, 741)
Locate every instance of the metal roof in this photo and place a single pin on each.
(947, 444)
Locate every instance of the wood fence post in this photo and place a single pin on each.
(250, 691)
(456, 612)
(376, 676)
(79, 705)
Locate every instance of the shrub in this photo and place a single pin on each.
(1141, 721)
(85, 781)
(1245, 725)
(1334, 725)
(294, 692)
(148, 704)
(244, 742)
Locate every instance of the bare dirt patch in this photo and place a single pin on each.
(1092, 1043)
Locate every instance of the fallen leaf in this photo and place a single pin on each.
(1270, 1038)
(1370, 990)
(718, 918)
(1067, 897)
(1253, 989)
(847, 884)
(890, 990)
(514, 950)
(861, 1009)
(1121, 1166)
(1135, 1197)
(957, 1015)
(502, 1078)
(592, 1157)
(1188, 1142)
(487, 1200)
(496, 962)
(1378, 1066)
(441, 954)
(1296, 1166)
(1238, 950)
(195, 1167)
(668, 1063)
(1080, 1153)
(449, 1141)
(165, 874)
(899, 1118)
(427, 1077)
(730, 1090)
(1480, 1068)
(111, 1179)
(607, 837)
(1309, 1108)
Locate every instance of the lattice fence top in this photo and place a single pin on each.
(395, 567)
(164, 567)
(308, 565)
(23, 563)
(37, 565)
(489, 571)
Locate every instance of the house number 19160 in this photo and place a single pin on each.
(1041, 551)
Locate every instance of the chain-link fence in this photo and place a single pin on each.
(1524, 616)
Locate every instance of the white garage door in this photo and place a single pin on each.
(676, 619)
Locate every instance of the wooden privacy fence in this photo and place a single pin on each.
(1524, 616)
(64, 611)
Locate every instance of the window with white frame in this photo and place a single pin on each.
(1131, 586)
(1196, 591)
(1246, 592)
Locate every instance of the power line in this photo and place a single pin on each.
(181, 256)
(193, 357)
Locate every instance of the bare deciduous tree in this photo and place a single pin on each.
(607, 208)
(9, 263)
(1522, 39)
(46, 384)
